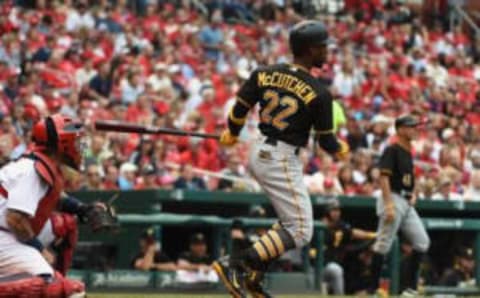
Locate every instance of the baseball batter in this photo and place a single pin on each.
(30, 189)
(292, 102)
(396, 209)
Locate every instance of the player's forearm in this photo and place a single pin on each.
(329, 143)
(237, 118)
(19, 224)
(385, 187)
(360, 234)
(185, 265)
(165, 266)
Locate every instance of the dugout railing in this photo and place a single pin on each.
(177, 206)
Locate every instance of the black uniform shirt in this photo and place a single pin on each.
(291, 102)
(336, 238)
(397, 163)
(188, 256)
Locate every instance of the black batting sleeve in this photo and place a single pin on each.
(386, 163)
(321, 111)
(247, 97)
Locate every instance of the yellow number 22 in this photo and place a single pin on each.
(273, 100)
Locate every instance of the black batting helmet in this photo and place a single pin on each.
(307, 33)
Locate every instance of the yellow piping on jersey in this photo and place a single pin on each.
(236, 120)
(299, 232)
(287, 82)
(243, 102)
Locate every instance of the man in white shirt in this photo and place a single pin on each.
(445, 192)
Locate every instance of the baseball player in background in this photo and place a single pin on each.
(338, 235)
(30, 189)
(292, 102)
(395, 208)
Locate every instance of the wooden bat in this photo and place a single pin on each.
(119, 126)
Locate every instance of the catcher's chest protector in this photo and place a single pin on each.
(52, 175)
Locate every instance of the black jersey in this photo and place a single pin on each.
(336, 239)
(291, 102)
(397, 163)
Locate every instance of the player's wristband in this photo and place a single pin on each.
(35, 243)
(72, 205)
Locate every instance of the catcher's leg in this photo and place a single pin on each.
(18, 258)
(44, 286)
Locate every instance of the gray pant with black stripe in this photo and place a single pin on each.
(406, 220)
(279, 171)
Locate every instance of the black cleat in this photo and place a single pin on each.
(253, 283)
(231, 278)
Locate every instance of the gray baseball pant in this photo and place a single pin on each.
(333, 276)
(406, 220)
(279, 171)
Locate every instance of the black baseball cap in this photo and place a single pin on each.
(406, 121)
(197, 238)
(465, 252)
(147, 234)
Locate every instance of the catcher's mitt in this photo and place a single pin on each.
(102, 216)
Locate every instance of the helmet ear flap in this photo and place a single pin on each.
(52, 136)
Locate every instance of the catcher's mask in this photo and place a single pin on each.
(60, 135)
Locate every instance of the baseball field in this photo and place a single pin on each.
(117, 295)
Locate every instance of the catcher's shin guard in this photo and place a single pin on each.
(42, 287)
(62, 287)
(28, 287)
(268, 248)
(64, 227)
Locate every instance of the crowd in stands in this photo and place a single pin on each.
(177, 64)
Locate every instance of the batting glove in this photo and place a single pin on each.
(227, 139)
(344, 151)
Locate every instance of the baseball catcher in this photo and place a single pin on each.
(292, 102)
(30, 191)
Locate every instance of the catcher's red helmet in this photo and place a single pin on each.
(62, 135)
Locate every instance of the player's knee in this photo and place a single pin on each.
(335, 270)
(422, 245)
(382, 247)
(64, 287)
(304, 235)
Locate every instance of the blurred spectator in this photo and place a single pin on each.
(79, 17)
(127, 178)
(177, 66)
(461, 275)
(211, 37)
(188, 180)
(94, 180)
(233, 169)
(110, 181)
(472, 193)
(151, 257)
(445, 192)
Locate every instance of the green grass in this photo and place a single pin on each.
(106, 295)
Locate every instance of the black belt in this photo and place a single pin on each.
(272, 141)
(405, 194)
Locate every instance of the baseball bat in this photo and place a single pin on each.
(119, 126)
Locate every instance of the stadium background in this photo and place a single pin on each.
(178, 63)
